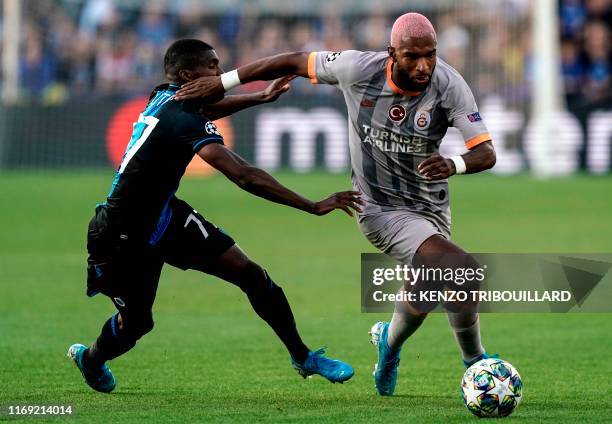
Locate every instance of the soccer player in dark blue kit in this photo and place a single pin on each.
(143, 225)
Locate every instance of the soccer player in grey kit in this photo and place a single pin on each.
(400, 104)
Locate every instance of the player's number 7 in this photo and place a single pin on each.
(195, 219)
(147, 124)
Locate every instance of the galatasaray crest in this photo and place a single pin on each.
(422, 119)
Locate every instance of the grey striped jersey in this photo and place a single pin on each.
(391, 131)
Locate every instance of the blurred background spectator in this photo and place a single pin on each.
(107, 48)
(585, 53)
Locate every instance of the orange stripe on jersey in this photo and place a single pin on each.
(311, 67)
(475, 141)
(394, 87)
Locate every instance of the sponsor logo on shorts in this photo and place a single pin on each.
(397, 113)
(474, 117)
(422, 119)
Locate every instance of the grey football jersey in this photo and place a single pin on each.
(391, 131)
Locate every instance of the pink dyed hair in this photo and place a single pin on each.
(411, 25)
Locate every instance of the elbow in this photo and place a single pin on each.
(491, 159)
(487, 155)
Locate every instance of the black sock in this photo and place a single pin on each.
(111, 342)
(271, 305)
(88, 361)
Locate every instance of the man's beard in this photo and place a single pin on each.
(418, 86)
(414, 85)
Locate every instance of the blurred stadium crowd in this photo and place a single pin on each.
(586, 52)
(107, 48)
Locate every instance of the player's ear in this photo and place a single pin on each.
(185, 75)
(391, 51)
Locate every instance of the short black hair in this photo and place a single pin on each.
(184, 54)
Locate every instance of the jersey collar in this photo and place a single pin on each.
(394, 87)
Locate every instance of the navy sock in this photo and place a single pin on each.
(111, 343)
(270, 303)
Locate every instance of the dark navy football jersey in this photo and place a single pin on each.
(165, 138)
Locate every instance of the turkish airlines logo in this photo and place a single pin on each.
(397, 113)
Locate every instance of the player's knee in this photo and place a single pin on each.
(147, 326)
(254, 278)
(470, 262)
(264, 284)
(417, 311)
(257, 273)
(141, 329)
(134, 329)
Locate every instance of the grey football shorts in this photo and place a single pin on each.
(399, 233)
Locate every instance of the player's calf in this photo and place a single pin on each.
(118, 336)
(270, 303)
(438, 252)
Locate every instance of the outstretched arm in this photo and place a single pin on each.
(232, 104)
(262, 184)
(271, 67)
(268, 68)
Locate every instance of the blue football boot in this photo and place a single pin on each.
(101, 380)
(385, 370)
(332, 369)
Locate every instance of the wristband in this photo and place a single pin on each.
(460, 167)
(230, 80)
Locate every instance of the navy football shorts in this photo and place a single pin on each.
(128, 271)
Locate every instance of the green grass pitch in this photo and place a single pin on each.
(211, 359)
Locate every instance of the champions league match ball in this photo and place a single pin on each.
(491, 388)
